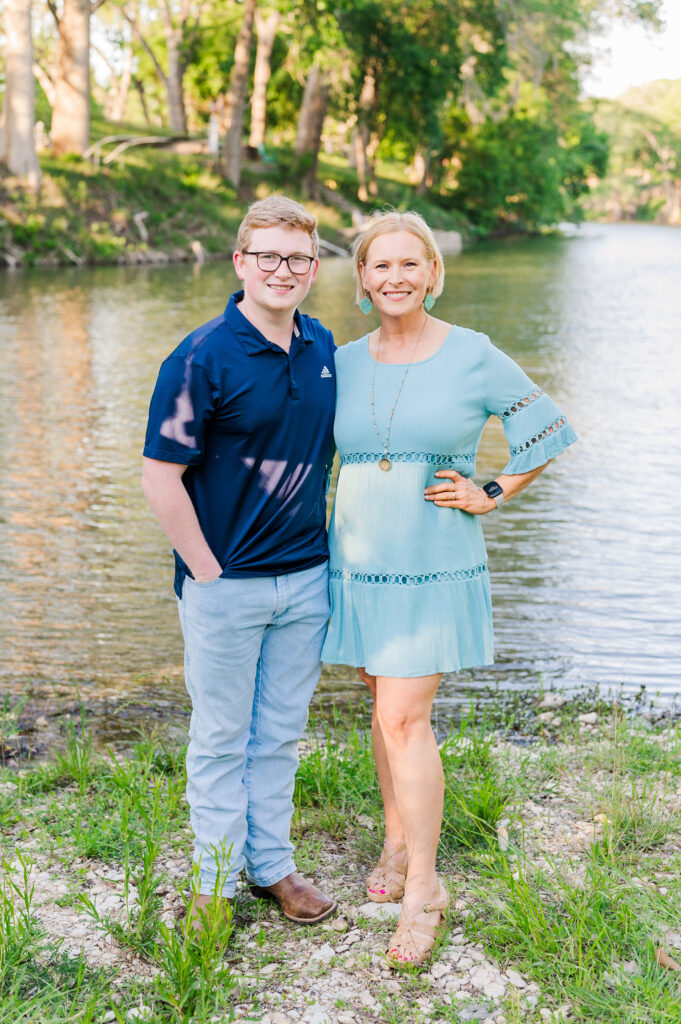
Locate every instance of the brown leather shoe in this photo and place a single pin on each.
(203, 909)
(299, 901)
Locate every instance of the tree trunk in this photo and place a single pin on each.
(17, 147)
(372, 149)
(119, 99)
(176, 68)
(305, 130)
(71, 114)
(236, 100)
(266, 30)
(425, 176)
(174, 86)
(139, 86)
(310, 125)
(367, 99)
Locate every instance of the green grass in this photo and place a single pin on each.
(37, 983)
(88, 215)
(570, 938)
(581, 922)
(638, 753)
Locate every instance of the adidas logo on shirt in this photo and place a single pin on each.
(325, 372)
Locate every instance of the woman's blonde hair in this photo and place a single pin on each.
(387, 223)
(277, 212)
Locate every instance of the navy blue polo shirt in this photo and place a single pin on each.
(253, 424)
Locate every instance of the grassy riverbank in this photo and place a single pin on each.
(154, 205)
(562, 853)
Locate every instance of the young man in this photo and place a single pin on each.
(239, 434)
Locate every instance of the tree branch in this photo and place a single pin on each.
(53, 11)
(45, 82)
(100, 53)
(137, 32)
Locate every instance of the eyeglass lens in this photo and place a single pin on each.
(272, 261)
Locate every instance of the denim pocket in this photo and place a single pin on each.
(204, 583)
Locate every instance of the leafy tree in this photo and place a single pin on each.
(644, 174)
(519, 173)
(407, 60)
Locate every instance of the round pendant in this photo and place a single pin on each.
(384, 464)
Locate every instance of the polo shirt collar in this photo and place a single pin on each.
(248, 334)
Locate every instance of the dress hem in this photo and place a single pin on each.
(411, 675)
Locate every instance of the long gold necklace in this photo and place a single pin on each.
(384, 463)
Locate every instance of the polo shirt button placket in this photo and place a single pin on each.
(293, 389)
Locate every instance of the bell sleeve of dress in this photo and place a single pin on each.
(183, 401)
(535, 428)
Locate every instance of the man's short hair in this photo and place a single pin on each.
(276, 212)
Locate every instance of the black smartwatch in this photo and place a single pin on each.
(495, 492)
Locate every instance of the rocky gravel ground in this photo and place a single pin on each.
(334, 972)
(563, 808)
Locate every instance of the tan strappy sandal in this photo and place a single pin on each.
(385, 884)
(414, 938)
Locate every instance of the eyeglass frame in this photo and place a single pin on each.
(282, 259)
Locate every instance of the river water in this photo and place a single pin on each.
(586, 565)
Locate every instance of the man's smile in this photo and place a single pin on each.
(283, 288)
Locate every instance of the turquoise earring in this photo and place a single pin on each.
(428, 302)
(366, 305)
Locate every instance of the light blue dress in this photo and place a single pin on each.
(409, 585)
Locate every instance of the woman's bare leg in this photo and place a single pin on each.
(394, 832)
(403, 709)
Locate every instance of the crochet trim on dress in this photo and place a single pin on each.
(540, 436)
(434, 460)
(521, 404)
(405, 580)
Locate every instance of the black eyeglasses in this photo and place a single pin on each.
(271, 261)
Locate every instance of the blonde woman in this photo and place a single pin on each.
(410, 593)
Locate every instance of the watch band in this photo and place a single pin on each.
(494, 491)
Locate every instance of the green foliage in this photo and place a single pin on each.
(195, 980)
(209, 54)
(38, 984)
(481, 97)
(78, 762)
(87, 215)
(475, 795)
(521, 173)
(644, 173)
(574, 938)
(339, 780)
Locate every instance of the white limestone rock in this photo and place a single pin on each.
(384, 911)
(324, 954)
(552, 700)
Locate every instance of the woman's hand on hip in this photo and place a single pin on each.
(456, 491)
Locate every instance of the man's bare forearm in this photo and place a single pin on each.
(172, 506)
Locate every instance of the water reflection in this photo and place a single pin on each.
(586, 566)
(47, 486)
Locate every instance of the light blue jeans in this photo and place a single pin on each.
(252, 661)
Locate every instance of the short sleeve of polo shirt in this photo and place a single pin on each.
(182, 403)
